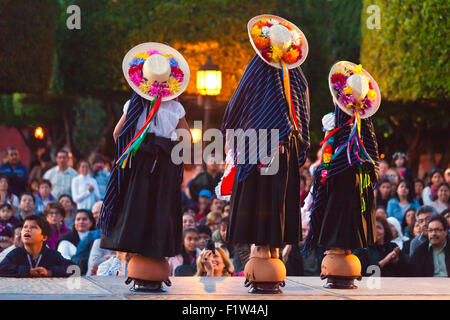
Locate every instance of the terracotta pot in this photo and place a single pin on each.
(265, 270)
(149, 269)
(338, 262)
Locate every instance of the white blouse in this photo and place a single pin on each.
(67, 248)
(165, 121)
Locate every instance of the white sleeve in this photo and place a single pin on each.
(96, 257)
(67, 249)
(180, 110)
(125, 107)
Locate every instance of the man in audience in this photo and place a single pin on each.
(96, 210)
(423, 215)
(27, 205)
(61, 175)
(15, 171)
(206, 180)
(204, 204)
(432, 258)
(34, 258)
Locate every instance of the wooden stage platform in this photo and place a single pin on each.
(231, 288)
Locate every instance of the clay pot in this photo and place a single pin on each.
(265, 270)
(338, 262)
(149, 269)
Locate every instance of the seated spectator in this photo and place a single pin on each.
(217, 204)
(84, 188)
(423, 215)
(38, 171)
(83, 223)
(70, 208)
(383, 193)
(419, 185)
(15, 171)
(215, 264)
(188, 221)
(432, 258)
(34, 258)
(54, 213)
(116, 265)
(6, 196)
(397, 234)
(384, 254)
(409, 220)
(220, 237)
(393, 176)
(206, 180)
(213, 220)
(407, 244)
(96, 257)
(189, 251)
(191, 210)
(96, 210)
(429, 194)
(43, 196)
(101, 174)
(226, 210)
(384, 167)
(441, 203)
(446, 215)
(402, 201)
(241, 257)
(204, 204)
(26, 206)
(33, 186)
(16, 243)
(298, 264)
(399, 164)
(380, 212)
(447, 175)
(7, 225)
(204, 234)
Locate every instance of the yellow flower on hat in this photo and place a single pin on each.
(144, 87)
(357, 69)
(256, 31)
(144, 55)
(174, 85)
(276, 54)
(349, 106)
(326, 157)
(347, 90)
(371, 94)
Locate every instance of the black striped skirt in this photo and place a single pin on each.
(149, 221)
(265, 209)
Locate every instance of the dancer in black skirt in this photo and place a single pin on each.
(142, 212)
(343, 210)
(272, 94)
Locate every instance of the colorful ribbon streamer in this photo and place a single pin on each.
(134, 144)
(287, 92)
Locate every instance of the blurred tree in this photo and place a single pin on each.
(408, 56)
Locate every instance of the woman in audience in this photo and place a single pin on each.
(83, 222)
(70, 208)
(383, 193)
(6, 196)
(429, 194)
(215, 264)
(43, 196)
(189, 253)
(441, 202)
(85, 191)
(54, 213)
(397, 234)
(408, 222)
(402, 201)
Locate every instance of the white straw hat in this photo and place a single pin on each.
(275, 39)
(354, 89)
(154, 68)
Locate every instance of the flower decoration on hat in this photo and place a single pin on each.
(290, 51)
(358, 100)
(155, 88)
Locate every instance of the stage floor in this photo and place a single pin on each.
(230, 288)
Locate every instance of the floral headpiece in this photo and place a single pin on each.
(164, 89)
(344, 91)
(260, 33)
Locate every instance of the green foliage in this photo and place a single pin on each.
(409, 54)
(27, 42)
(88, 129)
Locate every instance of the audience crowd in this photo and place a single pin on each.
(49, 213)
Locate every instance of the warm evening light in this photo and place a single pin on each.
(39, 133)
(196, 135)
(209, 79)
